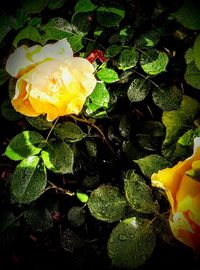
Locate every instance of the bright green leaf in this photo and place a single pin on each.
(30, 33)
(84, 6)
(131, 243)
(107, 75)
(82, 197)
(196, 51)
(138, 193)
(28, 180)
(106, 203)
(192, 75)
(154, 62)
(58, 157)
(25, 144)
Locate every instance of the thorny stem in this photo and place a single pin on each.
(56, 121)
(59, 189)
(95, 127)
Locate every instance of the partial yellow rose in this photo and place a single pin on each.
(50, 80)
(183, 193)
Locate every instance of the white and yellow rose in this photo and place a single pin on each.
(50, 81)
(183, 193)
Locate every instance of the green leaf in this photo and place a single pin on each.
(112, 51)
(107, 75)
(167, 98)
(8, 219)
(58, 157)
(33, 6)
(5, 26)
(39, 122)
(138, 193)
(69, 131)
(154, 62)
(76, 216)
(58, 28)
(28, 180)
(4, 76)
(152, 164)
(98, 99)
(188, 14)
(84, 6)
(110, 16)
(80, 23)
(106, 203)
(39, 219)
(196, 51)
(30, 33)
(178, 121)
(82, 197)
(138, 90)
(131, 243)
(189, 56)
(128, 58)
(149, 39)
(8, 112)
(192, 75)
(55, 4)
(25, 144)
(149, 135)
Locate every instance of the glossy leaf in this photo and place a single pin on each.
(128, 58)
(25, 144)
(58, 157)
(192, 75)
(131, 243)
(30, 33)
(107, 75)
(84, 6)
(28, 180)
(138, 90)
(138, 193)
(106, 203)
(110, 16)
(69, 131)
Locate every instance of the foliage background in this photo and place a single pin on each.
(142, 117)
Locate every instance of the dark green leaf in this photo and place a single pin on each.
(138, 90)
(138, 193)
(39, 122)
(76, 216)
(128, 58)
(188, 14)
(80, 23)
(28, 180)
(131, 243)
(196, 51)
(152, 164)
(33, 6)
(110, 16)
(55, 4)
(58, 157)
(112, 51)
(106, 203)
(4, 76)
(69, 131)
(39, 219)
(167, 98)
(178, 121)
(8, 112)
(25, 144)
(8, 219)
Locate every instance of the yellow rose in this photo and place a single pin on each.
(50, 80)
(183, 193)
